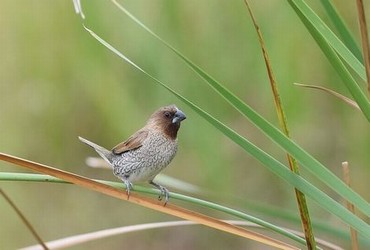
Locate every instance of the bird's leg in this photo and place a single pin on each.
(128, 185)
(164, 192)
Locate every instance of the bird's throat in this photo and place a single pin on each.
(171, 130)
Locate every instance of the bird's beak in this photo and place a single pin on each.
(179, 116)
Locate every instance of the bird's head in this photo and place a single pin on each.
(167, 119)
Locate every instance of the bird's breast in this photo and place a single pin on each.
(159, 148)
(145, 162)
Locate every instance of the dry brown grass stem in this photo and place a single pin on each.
(350, 206)
(144, 201)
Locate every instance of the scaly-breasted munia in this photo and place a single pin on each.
(147, 152)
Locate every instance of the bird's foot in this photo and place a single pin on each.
(128, 188)
(164, 192)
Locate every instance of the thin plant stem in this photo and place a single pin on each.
(144, 201)
(24, 219)
(350, 206)
(293, 165)
(364, 40)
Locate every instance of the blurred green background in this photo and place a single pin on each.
(57, 82)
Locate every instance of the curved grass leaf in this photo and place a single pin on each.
(170, 209)
(342, 29)
(305, 159)
(268, 161)
(101, 234)
(345, 99)
(266, 209)
(329, 36)
(330, 46)
(196, 201)
(293, 165)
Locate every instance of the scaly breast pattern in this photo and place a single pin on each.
(146, 162)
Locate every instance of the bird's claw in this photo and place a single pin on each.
(128, 188)
(164, 192)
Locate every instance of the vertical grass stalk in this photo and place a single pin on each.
(364, 40)
(24, 219)
(350, 206)
(301, 199)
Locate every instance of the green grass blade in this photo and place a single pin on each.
(293, 164)
(322, 227)
(342, 29)
(330, 37)
(196, 201)
(333, 58)
(266, 209)
(305, 159)
(272, 164)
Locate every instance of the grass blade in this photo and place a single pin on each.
(315, 27)
(364, 40)
(293, 165)
(196, 201)
(24, 219)
(143, 201)
(305, 159)
(272, 164)
(87, 237)
(342, 29)
(339, 96)
(329, 36)
(350, 207)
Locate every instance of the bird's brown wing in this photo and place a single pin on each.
(134, 142)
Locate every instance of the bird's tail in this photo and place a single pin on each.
(103, 152)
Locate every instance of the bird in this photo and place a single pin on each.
(147, 152)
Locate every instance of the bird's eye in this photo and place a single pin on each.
(167, 114)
